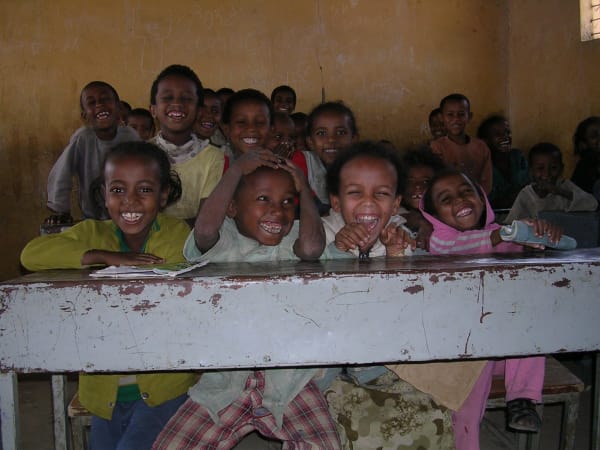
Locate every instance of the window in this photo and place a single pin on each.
(589, 11)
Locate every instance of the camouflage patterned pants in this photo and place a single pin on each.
(388, 414)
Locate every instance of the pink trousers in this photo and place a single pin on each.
(523, 378)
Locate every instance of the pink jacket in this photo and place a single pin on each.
(446, 240)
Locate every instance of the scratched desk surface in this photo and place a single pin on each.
(292, 314)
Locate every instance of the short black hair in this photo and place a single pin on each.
(485, 128)
(336, 107)
(283, 88)
(144, 113)
(423, 156)
(245, 95)
(546, 149)
(145, 151)
(580, 133)
(225, 91)
(97, 83)
(369, 149)
(177, 70)
(434, 112)
(455, 97)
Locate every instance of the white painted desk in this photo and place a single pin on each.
(292, 314)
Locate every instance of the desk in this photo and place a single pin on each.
(293, 314)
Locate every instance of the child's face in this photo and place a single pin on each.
(300, 131)
(209, 117)
(133, 196)
(263, 208)
(436, 126)
(101, 110)
(457, 202)
(331, 133)
(500, 139)
(282, 132)
(249, 125)
(283, 101)
(544, 172)
(418, 181)
(367, 194)
(143, 125)
(591, 138)
(176, 106)
(456, 116)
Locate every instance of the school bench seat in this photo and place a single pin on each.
(560, 386)
(81, 420)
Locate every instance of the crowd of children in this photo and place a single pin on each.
(257, 181)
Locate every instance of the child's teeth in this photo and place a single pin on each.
(131, 217)
(250, 141)
(463, 212)
(274, 228)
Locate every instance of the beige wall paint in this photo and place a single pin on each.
(391, 61)
(554, 78)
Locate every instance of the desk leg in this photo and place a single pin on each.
(59, 405)
(596, 406)
(9, 410)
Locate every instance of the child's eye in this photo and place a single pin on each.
(278, 137)
(166, 98)
(288, 201)
(116, 190)
(146, 190)
(262, 198)
(382, 194)
(320, 133)
(342, 132)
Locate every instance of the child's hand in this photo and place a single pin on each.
(250, 161)
(284, 150)
(424, 234)
(396, 240)
(300, 182)
(353, 236)
(541, 228)
(119, 258)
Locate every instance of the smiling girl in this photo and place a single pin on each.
(136, 184)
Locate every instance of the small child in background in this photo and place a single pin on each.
(176, 97)
(84, 155)
(331, 129)
(301, 124)
(547, 191)
(421, 166)
(125, 109)
(224, 93)
(467, 154)
(436, 124)
(246, 121)
(284, 99)
(209, 119)
(510, 172)
(141, 120)
(136, 184)
(586, 144)
(463, 223)
(250, 217)
(282, 135)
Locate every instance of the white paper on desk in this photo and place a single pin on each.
(149, 271)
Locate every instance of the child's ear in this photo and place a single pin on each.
(153, 110)
(231, 209)
(334, 200)
(310, 143)
(470, 116)
(226, 130)
(164, 196)
(397, 202)
(83, 116)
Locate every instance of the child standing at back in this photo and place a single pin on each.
(547, 191)
(586, 143)
(250, 217)
(83, 157)
(463, 223)
(331, 129)
(141, 120)
(467, 154)
(176, 97)
(129, 410)
(284, 99)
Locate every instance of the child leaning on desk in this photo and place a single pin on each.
(136, 184)
(463, 223)
(250, 217)
(372, 406)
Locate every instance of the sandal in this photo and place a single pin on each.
(522, 415)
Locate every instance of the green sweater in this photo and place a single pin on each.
(98, 393)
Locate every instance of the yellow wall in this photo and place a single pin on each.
(391, 61)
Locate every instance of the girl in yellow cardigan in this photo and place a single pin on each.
(137, 183)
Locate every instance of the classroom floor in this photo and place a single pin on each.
(36, 415)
